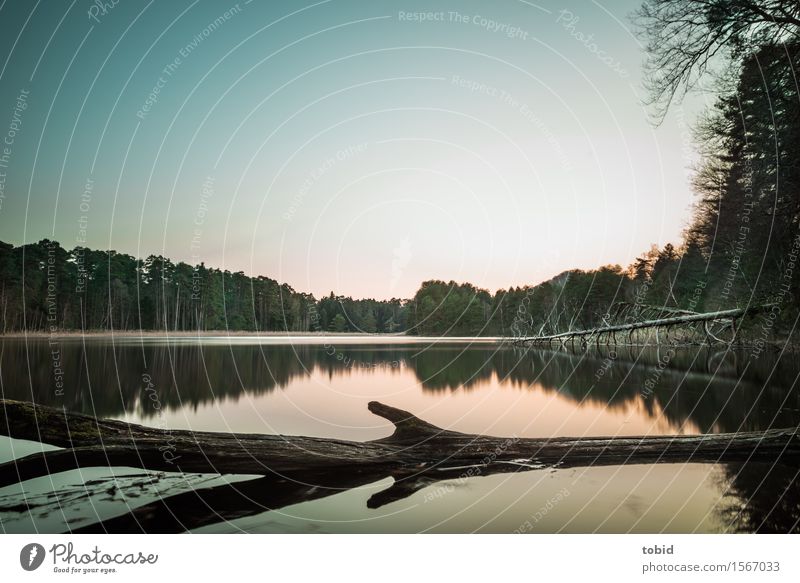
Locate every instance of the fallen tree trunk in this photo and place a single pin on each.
(692, 318)
(414, 444)
(297, 469)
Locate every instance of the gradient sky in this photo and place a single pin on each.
(340, 145)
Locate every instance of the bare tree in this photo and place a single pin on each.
(683, 38)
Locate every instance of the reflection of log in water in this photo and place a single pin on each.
(297, 469)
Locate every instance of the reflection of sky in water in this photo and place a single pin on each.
(336, 406)
(608, 499)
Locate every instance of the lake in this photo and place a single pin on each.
(320, 386)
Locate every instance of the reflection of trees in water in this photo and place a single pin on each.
(760, 498)
(687, 393)
(716, 391)
(106, 380)
(684, 390)
(692, 386)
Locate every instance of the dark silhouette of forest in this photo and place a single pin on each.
(46, 287)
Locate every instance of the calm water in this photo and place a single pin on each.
(321, 387)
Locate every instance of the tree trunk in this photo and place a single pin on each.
(414, 444)
(297, 469)
(693, 318)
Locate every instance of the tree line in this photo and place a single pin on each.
(574, 300)
(45, 287)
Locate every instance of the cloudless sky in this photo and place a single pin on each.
(340, 145)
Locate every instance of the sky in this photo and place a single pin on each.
(354, 147)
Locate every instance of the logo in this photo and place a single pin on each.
(31, 556)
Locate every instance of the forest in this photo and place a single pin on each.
(44, 287)
(740, 246)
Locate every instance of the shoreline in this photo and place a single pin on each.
(784, 343)
(233, 336)
(182, 334)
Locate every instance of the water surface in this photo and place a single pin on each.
(320, 386)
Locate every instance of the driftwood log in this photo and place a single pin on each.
(296, 469)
